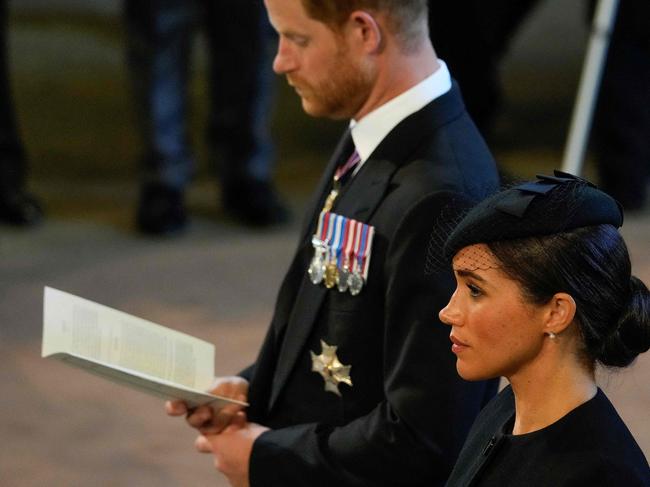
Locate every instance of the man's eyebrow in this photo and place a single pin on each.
(292, 34)
(468, 273)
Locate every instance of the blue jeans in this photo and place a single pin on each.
(239, 42)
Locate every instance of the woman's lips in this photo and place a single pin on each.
(457, 345)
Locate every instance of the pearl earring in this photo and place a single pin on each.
(552, 335)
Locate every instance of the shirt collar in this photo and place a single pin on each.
(368, 132)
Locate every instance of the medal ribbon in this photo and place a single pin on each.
(340, 255)
(336, 244)
(350, 226)
(367, 250)
(324, 228)
(352, 162)
(319, 229)
(357, 244)
(340, 173)
(362, 247)
(346, 242)
(329, 232)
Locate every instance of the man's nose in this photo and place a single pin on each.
(284, 61)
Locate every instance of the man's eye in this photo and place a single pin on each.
(300, 41)
(474, 291)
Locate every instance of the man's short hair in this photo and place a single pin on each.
(404, 16)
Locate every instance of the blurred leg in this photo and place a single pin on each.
(158, 52)
(159, 36)
(472, 36)
(241, 81)
(622, 123)
(16, 206)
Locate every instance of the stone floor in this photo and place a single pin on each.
(61, 426)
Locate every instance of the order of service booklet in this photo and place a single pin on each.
(128, 350)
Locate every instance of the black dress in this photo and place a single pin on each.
(590, 446)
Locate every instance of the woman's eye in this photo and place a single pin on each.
(473, 290)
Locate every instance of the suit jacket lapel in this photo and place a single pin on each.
(303, 316)
(365, 191)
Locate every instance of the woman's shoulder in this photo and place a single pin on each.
(589, 446)
(593, 443)
(604, 469)
(596, 423)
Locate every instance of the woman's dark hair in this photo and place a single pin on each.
(591, 264)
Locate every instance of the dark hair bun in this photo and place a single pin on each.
(632, 334)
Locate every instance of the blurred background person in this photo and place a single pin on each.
(621, 132)
(474, 36)
(159, 40)
(17, 205)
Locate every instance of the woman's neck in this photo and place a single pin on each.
(548, 390)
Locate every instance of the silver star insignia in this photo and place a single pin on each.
(327, 364)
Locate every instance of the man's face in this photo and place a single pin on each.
(325, 68)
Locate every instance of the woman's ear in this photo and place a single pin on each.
(560, 311)
(367, 30)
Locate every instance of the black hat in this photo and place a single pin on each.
(549, 205)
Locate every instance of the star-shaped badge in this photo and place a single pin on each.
(327, 364)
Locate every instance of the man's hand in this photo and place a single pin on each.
(232, 448)
(206, 419)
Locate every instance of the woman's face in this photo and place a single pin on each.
(494, 331)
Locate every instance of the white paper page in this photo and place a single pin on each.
(80, 327)
(150, 385)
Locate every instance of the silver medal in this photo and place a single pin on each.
(342, 279)
(355, 283)
(316, 268)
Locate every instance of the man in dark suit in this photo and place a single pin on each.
(357, 385)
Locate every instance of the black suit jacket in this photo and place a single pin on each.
(406, 416)
(588, 447)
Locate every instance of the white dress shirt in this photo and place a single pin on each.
(368, 132)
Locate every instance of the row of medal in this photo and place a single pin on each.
(342, 248)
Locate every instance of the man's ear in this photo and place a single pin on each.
(560, 311)
(366, 30)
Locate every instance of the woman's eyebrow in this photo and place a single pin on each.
(468, 273)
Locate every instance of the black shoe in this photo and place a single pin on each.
(254, 203)
(18, 207)
(161, 210)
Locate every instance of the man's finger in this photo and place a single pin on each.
(175, 408)
(239, 420)
(202, 444)
(223, 418)
(199, 416)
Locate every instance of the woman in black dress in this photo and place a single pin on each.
(544, 294)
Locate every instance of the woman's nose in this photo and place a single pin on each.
(449, 314)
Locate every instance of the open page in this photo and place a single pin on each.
(127, 349)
